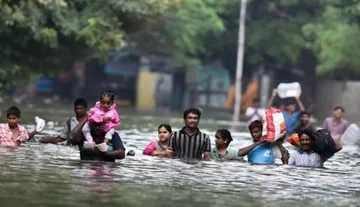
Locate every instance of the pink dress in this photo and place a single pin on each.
(153, 146)
(99, 114)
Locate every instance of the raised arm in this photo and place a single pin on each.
(60, 138)
(244, 151)
(76, 133)
(32, 134)
(301, 105)
(271, 100)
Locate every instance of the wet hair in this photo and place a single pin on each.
(15, 111)
(80, 102)
(192, 111)
(304, 113)
(256, 100)
(166, 126)
(308, 132)
(108, 93)
(339, 107)
(256, 124)
(225, 134)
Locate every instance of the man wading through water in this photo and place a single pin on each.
(80, 109)
(190, 142)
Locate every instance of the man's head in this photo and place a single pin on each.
(192, 117)
(338, 112)
(80, 107)
(304, 118)
(305, 138)
(290, 105)
(13, 116)
(97, 129)
(255, 129)
(256, 102)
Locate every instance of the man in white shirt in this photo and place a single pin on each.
(254, 112)
(305, 156)
(80, 109)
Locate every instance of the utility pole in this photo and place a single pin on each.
(240, 61)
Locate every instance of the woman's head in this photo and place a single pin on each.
(164, 131)
(223, 137)
(107, 99)
(255, 129)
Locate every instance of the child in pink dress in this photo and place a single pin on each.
(103, 111)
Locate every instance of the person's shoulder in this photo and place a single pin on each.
(328, 118)
(21, 127)
(116, 136)
(295, 153)
(315, 154)
(232, 151)
(204, 134)
(175, 133)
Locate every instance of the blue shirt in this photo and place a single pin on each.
(262, 154)
(291, 122)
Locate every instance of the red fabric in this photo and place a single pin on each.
(294, 140)
(270, 125)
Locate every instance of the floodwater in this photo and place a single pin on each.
(51, 175)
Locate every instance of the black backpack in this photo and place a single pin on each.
(323, 142)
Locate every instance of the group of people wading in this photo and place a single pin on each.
(93, 131)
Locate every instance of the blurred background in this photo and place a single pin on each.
(168, 55)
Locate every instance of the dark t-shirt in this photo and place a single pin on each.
(115, 142)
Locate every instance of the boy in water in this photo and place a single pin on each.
(11, 133)
(261, 151)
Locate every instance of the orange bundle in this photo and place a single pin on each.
(294, 140)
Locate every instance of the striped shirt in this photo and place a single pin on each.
(304, 159)
(189, 147)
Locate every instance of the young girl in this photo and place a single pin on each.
(103, 111)
(222, 151)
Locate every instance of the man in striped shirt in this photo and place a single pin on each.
(305, 156)
(190, 142)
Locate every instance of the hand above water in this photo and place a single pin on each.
(227, 158)
(262, 140)
(107, 118)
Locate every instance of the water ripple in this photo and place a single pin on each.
(52, 175)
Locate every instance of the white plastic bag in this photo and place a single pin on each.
(288, 90)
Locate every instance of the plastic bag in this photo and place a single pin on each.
(273, 125)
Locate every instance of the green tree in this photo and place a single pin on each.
(44, 36)
(334, 37)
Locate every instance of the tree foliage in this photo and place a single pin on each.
(334, 37)
(44, 36)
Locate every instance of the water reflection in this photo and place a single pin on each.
(52, 175)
